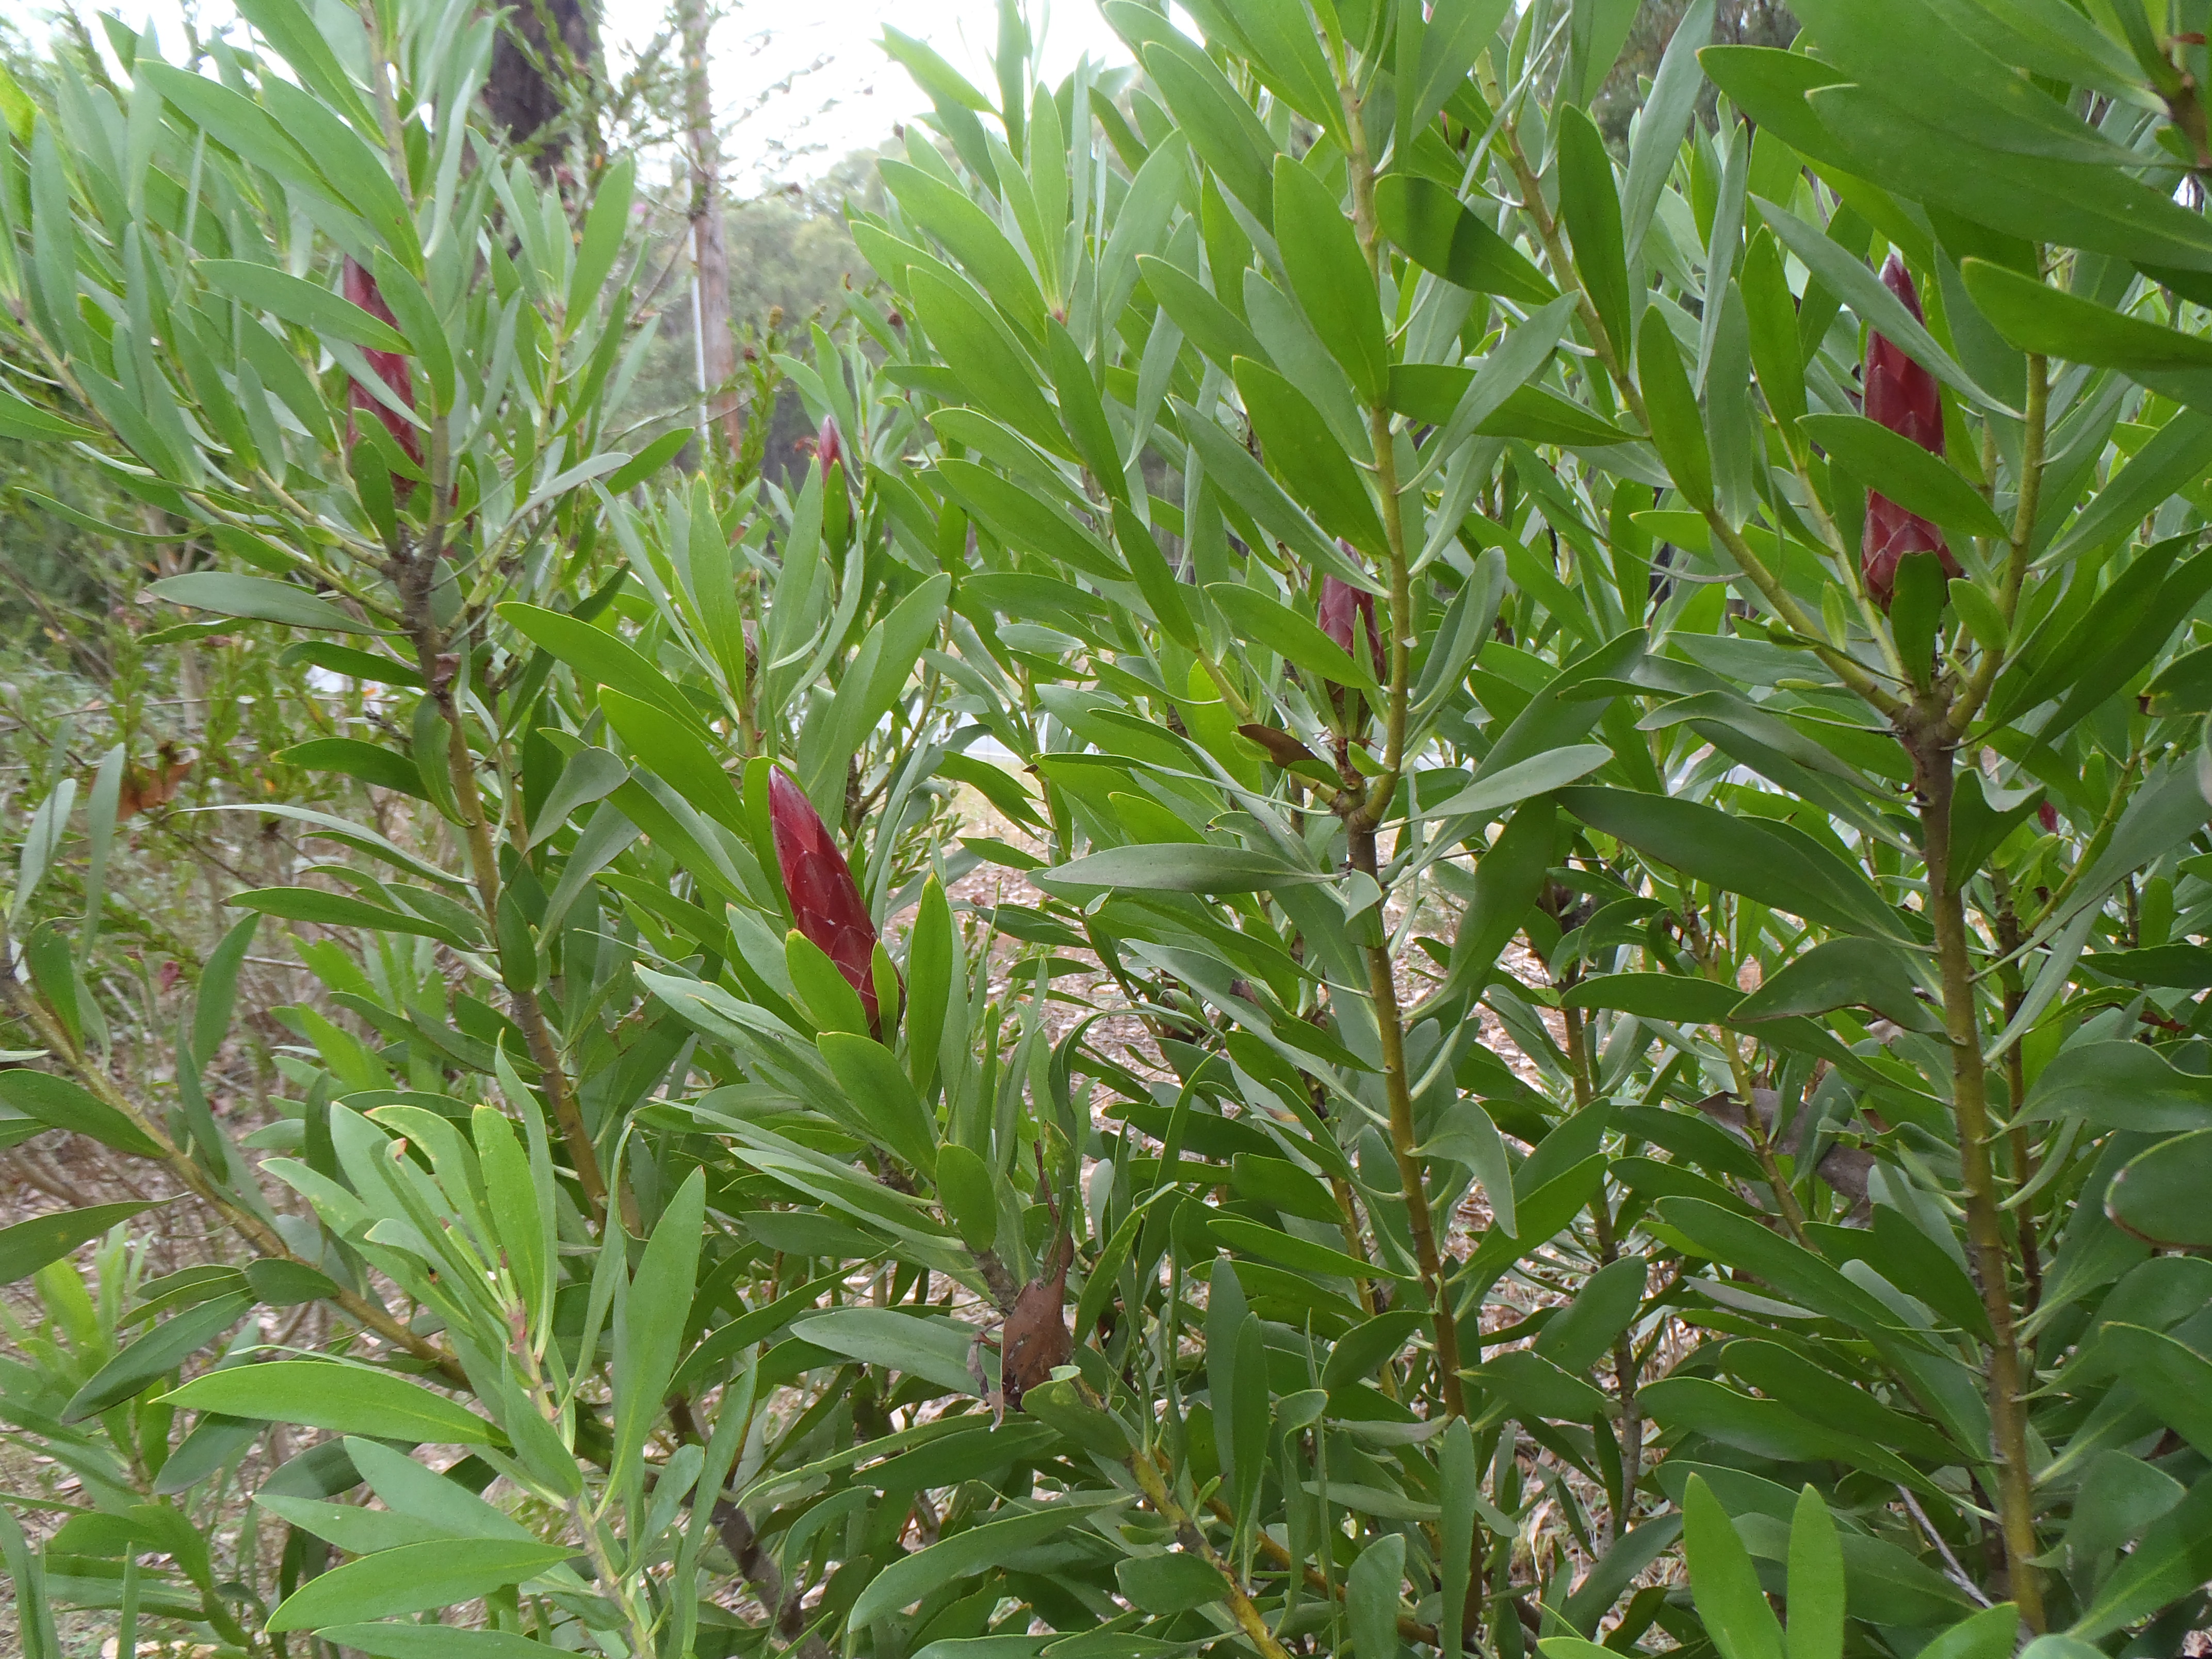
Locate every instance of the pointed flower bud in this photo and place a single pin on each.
(391, 367)
(1342, 606)
(1900, 395)
(825, 902)
(829, 445)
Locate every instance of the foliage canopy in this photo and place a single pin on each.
(1596, 945)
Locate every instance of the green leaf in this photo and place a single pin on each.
(1816, 1583)
(353, 664)
(1979, 612)
(312, 307)
(2173, 1558)
(1511, 785)
(385, 768)
(277, 1283)
(2052, 322)
(1799, 1274)
(997, 373)
(345, 1398)
(329, 909)
(1920, 60)
(604, 228)
(970, 1195)
(937, 1350)
(1589, 203)
(1841, 973)
(256, 599)
(1677, 998)
(1771, 311)
(979, 1549)
(30, 1245)
(26, 421)
(2167, 1375)
(1459, 1487)
(1873, 303)
(1163, 182)
(1169, 1584)
(2116, 1085)
(1303, 454)
(153, 1355)
(1218, 332)
(1241, 479)
(1355, 1356)
(1466, 1135)
(1771, 863)
(1670, 406)
(1538, 1390)
(883, 1099)
(2122, 628)
(1082, 412)
(413, 1579)
(1916, 613)
(2159, 1195)
(649, 1329)
(1255, 616)
(1025, 520)
(995, 784)
(2088, 205)
(387, 1640)
(287, 26)
(1220, 124)
(599, 655)
(1440, 234)
(935, 76)
(648, 461)
(1156, 579)
(1659, 126)
(411, 305)
(1901, 469)
(1330, 278)
(235, 121)
(1273, 1244)
(1370, 1596)
(2175, 456)
(1580, 1334)
(674, 753)
(1182, 867)
(967, 231)
(1433, 393)
(1722, 1582)
(828, 995)
(1282, 42)
(1453, 38)
(1992, 1633)
(61, 1105)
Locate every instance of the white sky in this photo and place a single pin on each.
(848, 94)
(843, 93)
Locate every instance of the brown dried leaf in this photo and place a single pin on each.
(1282, 748)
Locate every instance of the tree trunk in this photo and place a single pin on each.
(716, 357)
(546, 52)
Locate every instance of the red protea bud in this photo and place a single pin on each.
(1900, 395)
(1341, 606)
(829, 445)
(391, 367)
(825, 902)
